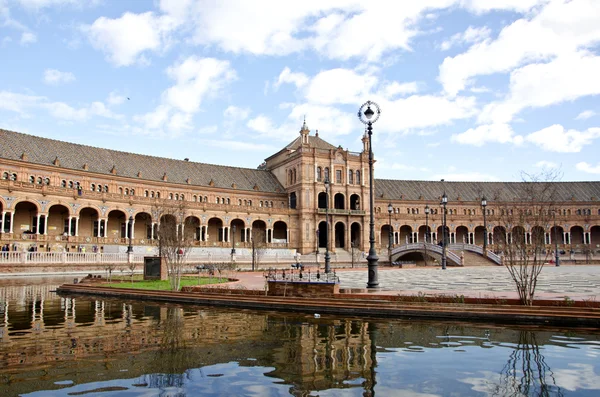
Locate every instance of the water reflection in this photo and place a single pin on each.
(53, 346)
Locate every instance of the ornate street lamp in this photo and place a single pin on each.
(556, 257)
(369, 116)
(327, 257)
(130, 247)
(444, 243)
(427, 211)
(391, 241)
(233, 240)
(485, 232)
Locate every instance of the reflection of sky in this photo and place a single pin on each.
(215, 380)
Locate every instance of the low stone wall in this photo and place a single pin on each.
(303, 289)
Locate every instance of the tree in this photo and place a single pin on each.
(521, 217)
(174, 236)
(259, 247)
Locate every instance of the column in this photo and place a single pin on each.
(46, 225)
(133, 229)
(12, 222)
(37, 224)
(416, 237)
(568, 240)
(2, 221)
(76, 226)
(490, 238)
(152, 231)
(565, 238)
(182, 229)
(69, 225)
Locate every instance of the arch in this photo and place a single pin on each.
(499, 235)
(326, 175)
(441, 236)
(405, 234)
(192, 227)
(116, 224)
(58, 217)
(319, 174)
(142, 227)
(462, 235)
(479, 234)
(355, 202)
(88, 221)
(280, 231)
(538, 236)
(239, 234)
(293, 200)
(355, 235)
(358, 178)
(259, 231)
(322, 200)
(557, 235)
(518, 235)
(595, 236)
(577, 235)
(25, 217)
(214, 230)
(340, 235)
(386, 232)
(423, 232)
(339, 201)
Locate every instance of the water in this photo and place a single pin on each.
(53, 346)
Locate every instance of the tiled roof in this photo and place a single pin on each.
(472, 191)
(313, 141)
(73, 156)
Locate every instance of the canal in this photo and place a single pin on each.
(67, 346)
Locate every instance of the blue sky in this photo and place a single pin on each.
(470, 90)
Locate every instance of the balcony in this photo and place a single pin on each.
(335, 211)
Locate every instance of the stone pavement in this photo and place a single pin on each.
(578, 282)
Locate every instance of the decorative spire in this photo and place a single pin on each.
(304, 132)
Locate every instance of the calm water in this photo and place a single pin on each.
(53, 346)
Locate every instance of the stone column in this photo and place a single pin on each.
(46, 225)
(76, 226)
(12, 222)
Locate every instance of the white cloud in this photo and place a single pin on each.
(125, 39)
(589, 168)
(287, 76)
(19, 103)
(394, 88)
(236, 113)
(556, 139)
(483, 6)
(586, 114)
(342, 86)
(28, 38)
(546, 164)
(196, 78)
(56, 77)
(115, 99)
(469, 36)
(39, 4)
(261, 124)
(497, 133)
(560, 28)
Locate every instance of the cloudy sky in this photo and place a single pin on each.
(469, 89)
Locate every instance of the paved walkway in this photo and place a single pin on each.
(578, 282)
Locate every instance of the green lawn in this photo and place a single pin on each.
(161, 285)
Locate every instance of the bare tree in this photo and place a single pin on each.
(259, 247)
(521, 222)
(109, 267)
(131, 266)
(175, 237)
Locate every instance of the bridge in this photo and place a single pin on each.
(435, 251)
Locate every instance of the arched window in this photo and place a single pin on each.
(250, 203)
(358, 177)
(260, 203)
(120, 190)
(39, 180)
(170, 196)
(71, 185)
(14, 177)
(206, 199)
(157, 194)
(47, 181)
(326, 176)
(218, 200)
(31, 179)
(152, 193)
(239, 201)
(176, 196)
(145, 193)
(350, 177)
(228, 201)
(5, 175)
(132, 191)
(93, 187)
(318, 174)
(127, 191)
(105, 188)
(182, 197)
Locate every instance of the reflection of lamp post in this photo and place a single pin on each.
(390, 209)
(443, 204)
(427, 210)
(556, 257)
(317, 250)
(130, 247)
(327, 258)
(233, 241)
(367, 116)
(485, 232)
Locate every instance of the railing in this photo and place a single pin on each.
(302, 276)
(337, 211)
(429, 247)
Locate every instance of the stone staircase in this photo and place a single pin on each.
(473, 259)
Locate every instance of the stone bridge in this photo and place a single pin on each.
(435, 251)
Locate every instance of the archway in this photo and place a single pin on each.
(214, 230)
(462, 235)
(499, 235)
(25, 218)
(322, 200)
(191, 228)
(259, 232)
(386, 236)
(479, 235)
(557, 235)
(595, 236)
(577, 235)
(116, 225)
(518, 235)
(538, 236)
(58, 220)
(340, 235)
(425, 233)
(339, 201)
(405, 235)
(355, 235)
(355, 202)
(322, 234)
(89, 224)
(280, 232)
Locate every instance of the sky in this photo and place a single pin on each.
(469, 90)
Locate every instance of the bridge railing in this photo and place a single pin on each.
(427, 247)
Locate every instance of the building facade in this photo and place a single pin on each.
(57, 196)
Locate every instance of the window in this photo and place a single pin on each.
(326, 176)
(47, 181)
(127, 191)
(39, 180)
(120, 190)
(145, 193)
(132, 191)
(170, 196)
(5, 175)
(228, 201)
(260, 203)
(152, 193)
(182, 197)
(71, 185)
(93, 187)
(157, 194)
(350, 177)
(318, 174)
(358, 177)
(176, 196)
(338, 176)
(31, 179)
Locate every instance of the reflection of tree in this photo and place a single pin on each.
(172, 361)
(526, 373)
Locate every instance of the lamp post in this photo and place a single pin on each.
(556, 257)
(233, 240)
(444, 243)
(369, 116)
(427, 210)
(485, 232)
(390, 233)
(327, 257)
(130, 247)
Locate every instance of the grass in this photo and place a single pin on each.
(161, 285)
